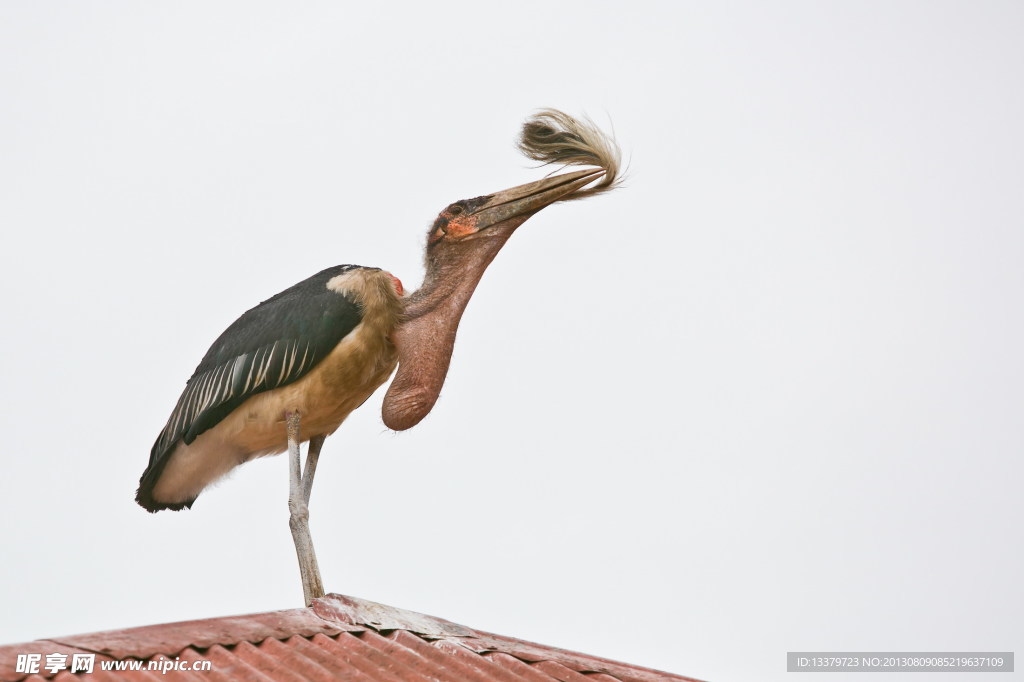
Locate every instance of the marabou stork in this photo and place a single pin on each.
(316, 351)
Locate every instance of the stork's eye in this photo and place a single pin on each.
(455, 209)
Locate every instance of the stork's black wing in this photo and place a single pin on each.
(272, 345)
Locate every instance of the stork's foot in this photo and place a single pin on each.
(299, 488)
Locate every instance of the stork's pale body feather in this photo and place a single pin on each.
(324, 397)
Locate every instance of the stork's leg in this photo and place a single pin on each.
(312, 457)
(298, 497)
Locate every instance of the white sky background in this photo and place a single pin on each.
(767, 397)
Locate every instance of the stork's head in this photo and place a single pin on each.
(504, 211)
(467, 235)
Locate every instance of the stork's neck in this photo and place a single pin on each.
(425, 338)
(443, 293)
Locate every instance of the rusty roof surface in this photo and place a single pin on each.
(338, 637)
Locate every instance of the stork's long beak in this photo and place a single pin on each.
(525, 200)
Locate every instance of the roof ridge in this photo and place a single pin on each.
(339, 608)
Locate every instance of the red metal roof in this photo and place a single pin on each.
(338, 637)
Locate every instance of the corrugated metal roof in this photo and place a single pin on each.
(339, 637)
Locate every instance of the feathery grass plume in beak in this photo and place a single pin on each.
(553, 137)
